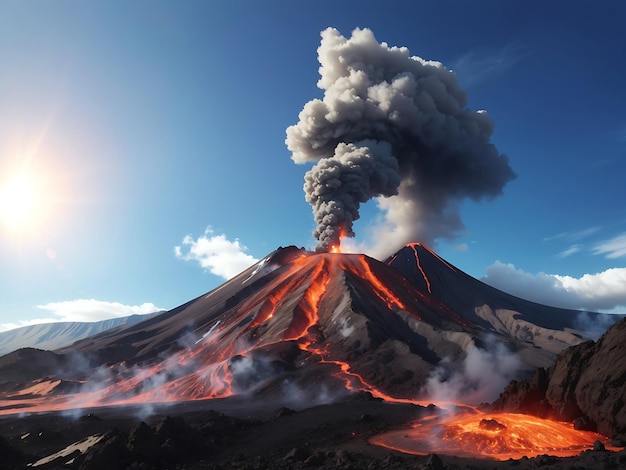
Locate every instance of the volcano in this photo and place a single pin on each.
(303, 328)
(344, 341)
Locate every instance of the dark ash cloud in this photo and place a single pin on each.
(397, 127)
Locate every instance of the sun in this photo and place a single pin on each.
(18, 201)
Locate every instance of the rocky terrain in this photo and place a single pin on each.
(298, 362)
(227, 434)
(295, 316)
(587, 383)
(200, 437)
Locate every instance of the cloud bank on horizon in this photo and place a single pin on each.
(604, 291)
(394, 127)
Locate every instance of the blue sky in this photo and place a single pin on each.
(153, 137)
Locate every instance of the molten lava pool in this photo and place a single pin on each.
(498, 436)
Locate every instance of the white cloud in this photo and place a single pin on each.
(216, 254)
(461, 247)
(476, 67)
(569, 251)
(574, 236)
(89, 310)
(613, 248)
(603, 291)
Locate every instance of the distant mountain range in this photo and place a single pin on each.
(57, 335)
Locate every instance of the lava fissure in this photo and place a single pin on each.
(306, 312)
(419, 266)
(385, 294)
(439, 258)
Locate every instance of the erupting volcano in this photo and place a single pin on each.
(362, 324)
(411, 343)
(301, 328)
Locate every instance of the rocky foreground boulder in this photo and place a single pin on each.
(586, 384)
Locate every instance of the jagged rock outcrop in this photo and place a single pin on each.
(171, 440)
(587, 383)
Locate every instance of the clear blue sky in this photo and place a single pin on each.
(141, 123)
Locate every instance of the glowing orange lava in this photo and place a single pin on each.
(414, 245)
(335, 247)
(203, 370)
(499, 436)
(293, 306)
(419, 266)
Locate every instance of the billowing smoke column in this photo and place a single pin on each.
(391, 124)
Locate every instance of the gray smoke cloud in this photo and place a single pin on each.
(395, 127)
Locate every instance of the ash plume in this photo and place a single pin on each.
(393, 126)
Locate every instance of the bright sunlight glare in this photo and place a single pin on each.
(18, 201)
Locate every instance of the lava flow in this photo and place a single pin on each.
(295, 320)
(468, 432)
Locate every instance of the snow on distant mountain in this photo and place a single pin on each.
(56, 335)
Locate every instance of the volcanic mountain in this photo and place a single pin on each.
(547, 328)
(304, 328)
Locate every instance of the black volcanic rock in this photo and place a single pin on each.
(111, 452)
(170, 441)
(336, 436)
(526, 396)
(29, 364)
(464, 294)
(587, 383)
(302, 328)
(11, 457)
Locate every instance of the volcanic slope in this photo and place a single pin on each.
(548, 329)
(301, 326)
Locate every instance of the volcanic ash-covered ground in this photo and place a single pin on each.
(301, 330)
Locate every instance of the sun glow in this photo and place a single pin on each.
(18, 201)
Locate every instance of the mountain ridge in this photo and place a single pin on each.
(324, 324)
(55, 335)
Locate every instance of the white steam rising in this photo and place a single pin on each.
(480, 378)
(394, 126)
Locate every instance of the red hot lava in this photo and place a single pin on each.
(292, 307)
(335, 246)
(468, 432)
(289, 308)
